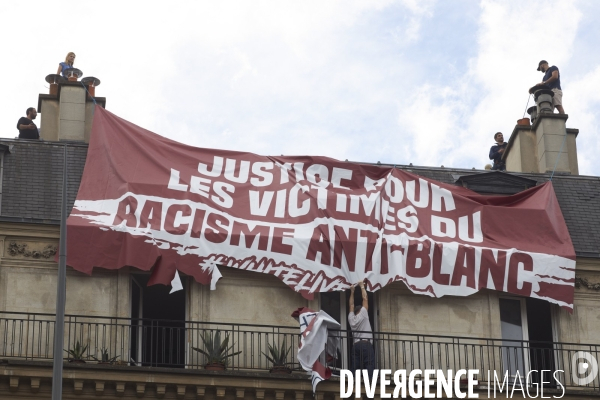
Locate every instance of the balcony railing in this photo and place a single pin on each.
(162, 343)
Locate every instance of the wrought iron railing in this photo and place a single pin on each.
(162, 343)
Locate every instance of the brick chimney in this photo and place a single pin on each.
(66, 112)
(536, 148)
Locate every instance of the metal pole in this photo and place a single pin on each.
(61, 293)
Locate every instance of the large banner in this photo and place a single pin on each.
(316, 223)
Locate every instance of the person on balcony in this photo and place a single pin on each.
(496, 152)
(363, 354)
(63, 67)
(27, 129)
(552, 80)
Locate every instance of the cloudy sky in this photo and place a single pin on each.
(410, 81)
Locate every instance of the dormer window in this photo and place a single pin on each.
(494, 183)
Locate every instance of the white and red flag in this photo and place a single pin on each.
(316, 223)
(316, 343)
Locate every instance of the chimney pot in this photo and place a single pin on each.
(532, 111)
(54, 80)
(91, 83)
(73, 74)
(543, 100)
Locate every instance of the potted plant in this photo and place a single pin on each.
(77, 353)
(278, 357)
(217, 352)
(105, 357)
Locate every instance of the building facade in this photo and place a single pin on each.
(151, 334)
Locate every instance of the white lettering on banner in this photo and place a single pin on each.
(285, 167)
(174, 181)
(197, 185)
(329, 254)
(394, 189)
(408, 219)
(216, 169)
(340, 174)
(439, 196)
(315, 223)
(292, 202)
(230, 167)
(318, 171)
(258, 207)
(294, 209)
(423, 201)
(262, 178)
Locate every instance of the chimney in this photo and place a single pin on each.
(66, 112)
(545, 144)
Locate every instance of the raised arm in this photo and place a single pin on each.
(364, 295)
(351, 301)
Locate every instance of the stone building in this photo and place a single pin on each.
(152, 333)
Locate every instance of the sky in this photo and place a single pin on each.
(409, 81)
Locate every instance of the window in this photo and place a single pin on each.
(157, 324)
(527, 337)
(513, 321)
(336, 305)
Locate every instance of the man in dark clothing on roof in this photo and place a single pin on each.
(497, 151)
(26, 127)
(552, 80)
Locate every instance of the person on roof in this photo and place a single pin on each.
(363, 354)
(552, 80)
(27, 129)
(67, 64)
(496, 152)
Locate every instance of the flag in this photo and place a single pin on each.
(315, 340)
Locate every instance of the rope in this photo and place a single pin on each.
(526, 105)
(85, 87)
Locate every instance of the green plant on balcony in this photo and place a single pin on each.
(217, 352)
(278, 357)
(105, 357)
(76, 353)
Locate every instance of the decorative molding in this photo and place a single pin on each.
(20, 249)
(99, 387)
(140, 388)
(78, 386)
(35, 384)
(14, 383)
(583, 282)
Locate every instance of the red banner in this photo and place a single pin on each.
(316, 223)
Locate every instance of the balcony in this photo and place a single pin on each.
(144, 345)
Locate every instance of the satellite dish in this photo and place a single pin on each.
(90, 81)
(54, 79)
(73, 72)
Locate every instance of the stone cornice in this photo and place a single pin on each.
(585, 283)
